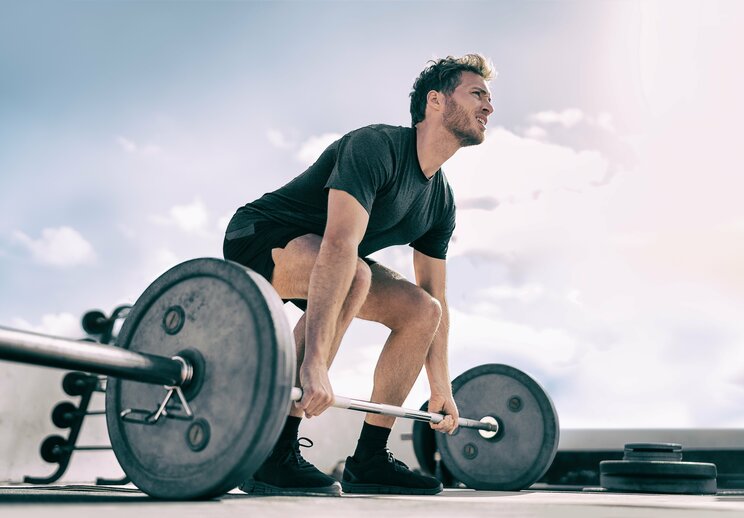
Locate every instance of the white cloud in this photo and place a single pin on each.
(525, 293)
(567, 118)
(156, 262)
(192, 218)
(574, 296)
(482, 203)
(127, 231)
(278, 139)
(55, 324)
(164, 259)
(617, 351)
(631, 240)
(486, 335)
(224, 221)
(61, 247)
(535, 132)
(510, 168)
(131, 147)
(311, 149)
(605, 121)
(736, 225)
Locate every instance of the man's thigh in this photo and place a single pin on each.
(392, 298)
(293, 265)
(251, 245)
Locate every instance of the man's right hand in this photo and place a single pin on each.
(317, 393)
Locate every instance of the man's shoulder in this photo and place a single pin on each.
(380, 133)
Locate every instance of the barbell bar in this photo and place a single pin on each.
(370, 407)
(50, 351)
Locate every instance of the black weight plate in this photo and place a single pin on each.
(526, 444)
(425, 448)
(54, 449)
(658, 476)
(235, 321)
(78, 383)
(94, 322)
(663, 451)
(64, 414)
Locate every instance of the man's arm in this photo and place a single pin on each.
(330, 282)
(431, 276)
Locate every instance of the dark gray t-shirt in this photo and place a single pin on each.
(378, 166)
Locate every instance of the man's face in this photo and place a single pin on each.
(467, 109)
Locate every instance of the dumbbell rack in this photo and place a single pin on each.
(56, 448)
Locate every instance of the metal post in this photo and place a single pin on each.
(50, 351)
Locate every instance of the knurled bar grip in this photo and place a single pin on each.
(49, 351)
(396, 411)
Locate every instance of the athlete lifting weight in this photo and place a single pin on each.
(375, 187)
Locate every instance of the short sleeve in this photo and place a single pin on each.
(435, 241)
(363, 166)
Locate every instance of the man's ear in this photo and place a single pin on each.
(435, 100)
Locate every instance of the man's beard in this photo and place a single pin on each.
(460, 124)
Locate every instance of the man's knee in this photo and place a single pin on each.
(362, 277)
(431, 309)
(416, 308)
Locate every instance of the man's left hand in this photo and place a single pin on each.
(444, 404)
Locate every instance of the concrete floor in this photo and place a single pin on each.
(77, 501)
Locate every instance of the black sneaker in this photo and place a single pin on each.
(384, 474)
(285, 472)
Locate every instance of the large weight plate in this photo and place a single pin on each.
(525, 446)
(658, 476)
(235, 320)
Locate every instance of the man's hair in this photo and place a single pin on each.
(443, 75)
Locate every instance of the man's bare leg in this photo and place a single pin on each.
(291, 279)
(407, 310)
(413, 318)
(412, 315)
(299, 336)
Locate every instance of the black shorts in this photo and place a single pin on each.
(252, 247)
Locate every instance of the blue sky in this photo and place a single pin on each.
(599, 231)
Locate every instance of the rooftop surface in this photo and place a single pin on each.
(76, 501)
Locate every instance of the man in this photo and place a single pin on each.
(375, 187)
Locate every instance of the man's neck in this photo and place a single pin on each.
(434, 146)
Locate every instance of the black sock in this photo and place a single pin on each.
(291, 430)
(371, 440)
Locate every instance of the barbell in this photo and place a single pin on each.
(202, 378)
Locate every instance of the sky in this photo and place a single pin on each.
(599, 241)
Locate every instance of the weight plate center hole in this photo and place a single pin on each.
(195, 360)
(487, 434)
